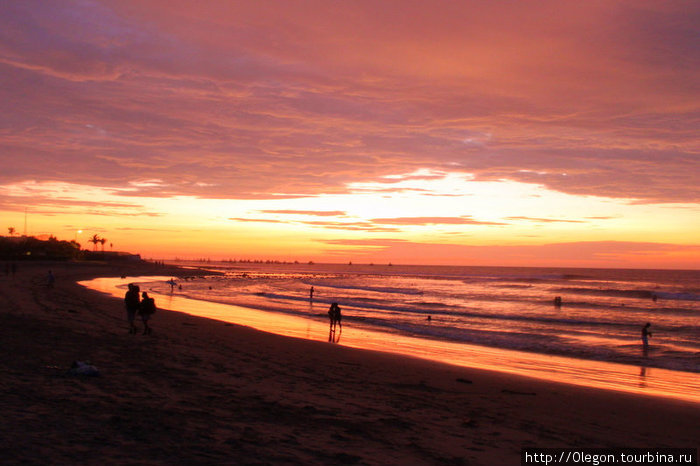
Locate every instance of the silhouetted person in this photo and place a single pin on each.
(148, 308)
(311, 294)
(132, 302)
(50, 279)
(557, 301)
(646, 334)
(335, 319)
(331, 314)
(172, 284)
(338, 316)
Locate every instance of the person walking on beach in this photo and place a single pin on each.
(148, 308)
(50, 279)
(311, 294)
(331, 315)
(338, 317)
(335, 318)
(132, 302)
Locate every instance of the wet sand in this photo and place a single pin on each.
(202, 391)
(641, 379)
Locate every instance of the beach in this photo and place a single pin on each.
(202, 391)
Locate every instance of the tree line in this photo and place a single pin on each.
(29, 247)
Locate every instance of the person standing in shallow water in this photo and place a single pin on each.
(148, 308)
(646, 334)
(132, 302)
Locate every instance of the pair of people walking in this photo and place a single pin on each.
(145, 307)
(335, 318)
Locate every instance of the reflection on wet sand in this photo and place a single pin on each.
(334, 335)
(643, 377)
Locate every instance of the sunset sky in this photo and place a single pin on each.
(543, 133)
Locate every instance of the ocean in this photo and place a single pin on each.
(600, 318)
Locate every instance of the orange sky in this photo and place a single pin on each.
(475, 132)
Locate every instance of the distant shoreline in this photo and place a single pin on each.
(273, 262)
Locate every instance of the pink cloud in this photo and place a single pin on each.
(289, 99)
(463, 220)
(318, 213)
(56, 204)
(353, 226)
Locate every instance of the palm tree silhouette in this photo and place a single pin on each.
(103, 241)
(94, 240)
(11, 231)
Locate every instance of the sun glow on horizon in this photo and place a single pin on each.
(423, 207)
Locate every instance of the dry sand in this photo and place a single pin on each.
(200, 391)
